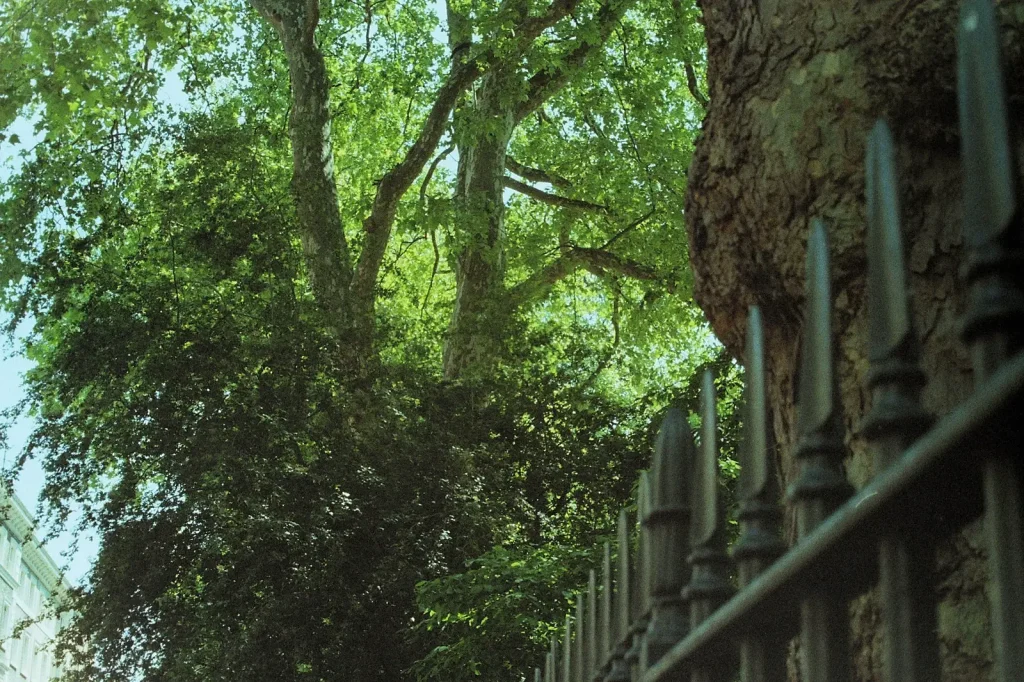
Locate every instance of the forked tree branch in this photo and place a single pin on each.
(545, 83)
(691, 83)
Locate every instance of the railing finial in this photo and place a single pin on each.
(668, 523)
(821, 484)
(709, 585)
(762, 654)
(640, 604)
(619, 631)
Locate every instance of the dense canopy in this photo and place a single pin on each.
(331, 300)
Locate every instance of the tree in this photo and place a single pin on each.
(794, 90)
(239, 308)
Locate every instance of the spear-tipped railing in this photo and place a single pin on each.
(660, 622)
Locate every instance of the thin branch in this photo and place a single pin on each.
(536, 174)
(628, 228)
(433, 167)
(691, 83)
(433, 271)
(554, 199)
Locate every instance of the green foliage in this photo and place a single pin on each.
(262, 516)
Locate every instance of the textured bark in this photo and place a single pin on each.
(348, 295)
(481, 311)
(794, 89)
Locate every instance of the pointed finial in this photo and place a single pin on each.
(706, 512)
(888, 302)
(605, 627)
(894, 376)
(668, 523)
(817, 408)
(709, 583)
(759, 542)
(622, 580)
(990, 196)
(756, 462)
(821, 484)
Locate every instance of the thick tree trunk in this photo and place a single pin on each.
(795, 88)
(478, 316)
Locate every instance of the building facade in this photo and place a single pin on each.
(28, 579)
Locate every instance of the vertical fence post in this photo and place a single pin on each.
(590, 649)
(762, 655)
(567, 651)
(552, 669)
(579, 658)
(709, 585)
(668, 522)
(896, 419)
(618, 671)
(641, 605)
(992, 328)
(605, 624)
(821, 484)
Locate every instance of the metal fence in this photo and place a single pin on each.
(670, 610)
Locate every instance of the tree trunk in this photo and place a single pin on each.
(795, 88)
(471, 349)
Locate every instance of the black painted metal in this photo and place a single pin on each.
(931, 477)
(709, 584)
(620, 632)
(762, 653)
(668, 525)
(896, 419)
(821, 484)
(995, 314)
(641, 605)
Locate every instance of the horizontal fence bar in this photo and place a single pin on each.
(935, 485)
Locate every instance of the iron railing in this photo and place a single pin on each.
(672, 613)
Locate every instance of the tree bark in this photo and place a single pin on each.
(480, 315)
(794, 89)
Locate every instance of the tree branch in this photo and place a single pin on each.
(545, 83)
(691, 83)
(536, 174)
(465, 70)
(596, 261)
(554, 199)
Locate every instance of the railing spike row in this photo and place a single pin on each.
(995, 314)
(968, 463)
(762, 654)
(668, 525)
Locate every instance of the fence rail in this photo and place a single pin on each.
(670, 611)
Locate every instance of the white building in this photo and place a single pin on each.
(28, 578)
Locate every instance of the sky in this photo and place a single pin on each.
(13, 366)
